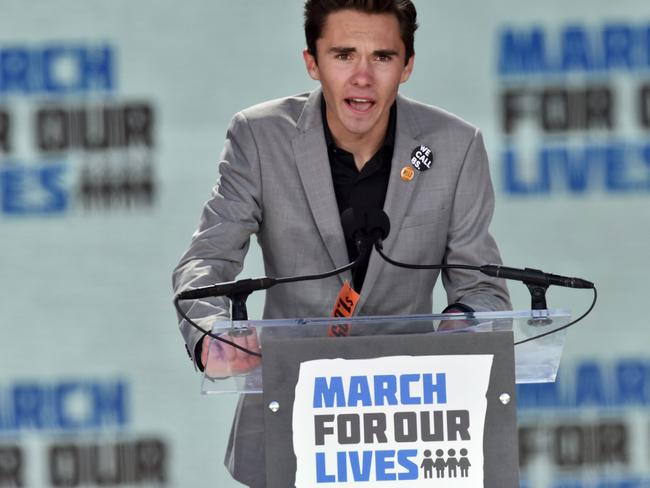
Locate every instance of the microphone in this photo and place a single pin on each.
(230, 288)
(534, 277)
(366, 227)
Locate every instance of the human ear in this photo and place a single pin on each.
(408, 69)
(311, 64)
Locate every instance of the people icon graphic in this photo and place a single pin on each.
(464, 463)
(452, 463)
(427, 464)
(440, 463)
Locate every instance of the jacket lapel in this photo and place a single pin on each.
(310, 152)
(398, 194)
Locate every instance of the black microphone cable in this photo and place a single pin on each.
(564, 327)
(368, 227)
(204, 332)
(378, 248)
(270, 283)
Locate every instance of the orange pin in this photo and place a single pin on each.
(407, 173)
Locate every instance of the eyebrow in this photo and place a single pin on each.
(341, 50)
(348, 50)
(385, 52)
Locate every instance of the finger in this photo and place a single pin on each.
(252, 343)
(205, 348)
(242, 355)
(229, 352)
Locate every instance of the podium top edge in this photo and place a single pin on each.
(497, 315)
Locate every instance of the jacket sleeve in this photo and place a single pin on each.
(469, 240)
(219, 245)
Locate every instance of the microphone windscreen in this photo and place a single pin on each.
(362, 222)
(350, 224)
(377, 223)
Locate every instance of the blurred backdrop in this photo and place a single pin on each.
(112, 119)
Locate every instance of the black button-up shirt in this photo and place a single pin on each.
(360, 189)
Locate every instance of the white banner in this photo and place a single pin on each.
(404, 420)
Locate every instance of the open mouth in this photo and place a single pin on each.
(360, 104)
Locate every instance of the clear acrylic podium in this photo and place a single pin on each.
(369, 401)
(536, 361)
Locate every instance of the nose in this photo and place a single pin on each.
(362, 75)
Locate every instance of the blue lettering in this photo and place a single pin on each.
(627, 385)
(57, 69)
(531, 50)
(12, 182)
(631, 383)
(645, 155)
(522, 51)
(616, 175)
(51, 57)
(105, 405)
(97, 68)
(328, 394)
(614, 167)
(342, 466)
(589, 385)
(109, 402)
(321, 475)
(405, 391)
(385, 389)
(618, 46)
(51, 181)
(576, 53)
(605, 482)
(571, 484)
(513, 180)
(429, 388)
(14, 70)
(29, 191)
(28, 401)
(573, 167)
(68, 406)
(359, 392)
(383, 463)
(361, 468)
(539, 395)
(621, 174)
(403, 459)
(62, 393)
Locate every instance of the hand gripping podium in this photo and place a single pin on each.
(395, 401)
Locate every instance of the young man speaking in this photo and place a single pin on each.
(291, 167)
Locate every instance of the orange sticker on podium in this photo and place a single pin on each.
(344, 306)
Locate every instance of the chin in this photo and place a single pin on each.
(359, 126)
(359, 130)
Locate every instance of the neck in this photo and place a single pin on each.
(362, 146)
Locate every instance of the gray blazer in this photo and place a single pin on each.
(276, 183)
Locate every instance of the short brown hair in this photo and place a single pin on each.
(316, 12)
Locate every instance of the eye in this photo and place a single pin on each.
(384, 58)
(343, 56)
